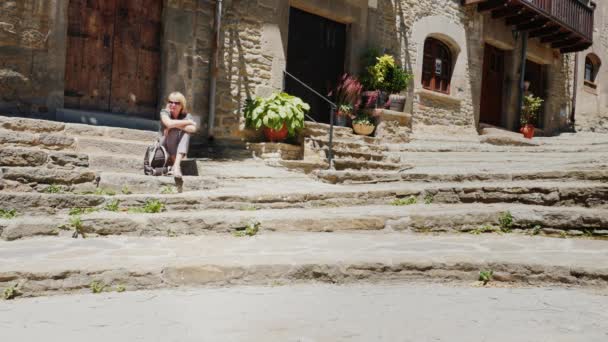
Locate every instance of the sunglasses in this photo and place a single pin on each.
(174, 103)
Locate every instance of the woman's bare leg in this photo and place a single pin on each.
(177, 170)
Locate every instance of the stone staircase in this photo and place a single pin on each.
(66, 223)
(353, 155)
(47, 156)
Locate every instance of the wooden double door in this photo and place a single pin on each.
(315, 55)
(113, 56)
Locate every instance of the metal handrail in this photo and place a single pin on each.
(333, 106)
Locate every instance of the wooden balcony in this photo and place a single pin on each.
(565, 24)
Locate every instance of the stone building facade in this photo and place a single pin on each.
(253, 53)
(591, 110)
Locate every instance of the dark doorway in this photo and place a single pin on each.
(113, 56)
(490, 111)
(315, 55)
(535, 74)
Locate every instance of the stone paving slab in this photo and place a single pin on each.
(314, 313)
(49, 265)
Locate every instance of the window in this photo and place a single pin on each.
(592, 66)
(436, 66)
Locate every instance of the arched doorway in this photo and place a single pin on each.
(113, 56)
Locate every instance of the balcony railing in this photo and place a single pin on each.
(565, 24)
(576, 15)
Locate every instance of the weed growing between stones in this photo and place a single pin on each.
(405, 201)
(113, 205)
(506, 221)
(428, 199)
(97, 286)
(168, 189)
(249, 208)
(11, 292)
(76, 224)
(104, 192)
(121, 288)
(587, 233)
(563, 234)
(8, 214)
(52, 189)
(152, 206)
(250, 230)
(125, 190)
(81, 211)
(536, 230)
(486, 276)
(483, 229)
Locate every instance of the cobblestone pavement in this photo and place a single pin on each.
(313, 312)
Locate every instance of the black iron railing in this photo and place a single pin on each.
(333, 106)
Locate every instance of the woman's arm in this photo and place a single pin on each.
(169, 123)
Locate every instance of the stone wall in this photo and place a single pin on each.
(592, 103)
(400, 27)
(32, 50)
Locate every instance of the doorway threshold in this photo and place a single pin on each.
(96, 118)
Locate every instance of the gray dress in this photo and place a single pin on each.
(175, 141)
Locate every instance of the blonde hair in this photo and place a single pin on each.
(176, 96)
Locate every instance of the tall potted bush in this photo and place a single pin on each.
(346, 95)
(529, 114)
(279, 115)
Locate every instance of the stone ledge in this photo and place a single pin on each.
(269, 150)
(404, 119)
(438, 96)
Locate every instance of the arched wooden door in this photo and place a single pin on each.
(113, 56)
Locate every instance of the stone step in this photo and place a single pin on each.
(71, 129)
(21, 156)
(338, 134)
(344, 145)
(63, 142)
(84, 180)
(563, 194)
(363, 156)
(477, 218)
(353, 176)
(49, 266)
(355, 164)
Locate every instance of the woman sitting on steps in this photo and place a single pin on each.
(177, 125)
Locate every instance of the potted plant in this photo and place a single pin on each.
(386, 77)
(363, 124)
(279, 115)
(346, 95)
(529, 114)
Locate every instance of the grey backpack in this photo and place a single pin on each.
(156, 160)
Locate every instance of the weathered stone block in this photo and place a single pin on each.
(21, 157)
(47, 176)
(69, 159)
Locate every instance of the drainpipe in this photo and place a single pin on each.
(213, 70)
(574, 91)
(522, 76)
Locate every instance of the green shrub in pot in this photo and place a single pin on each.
(275, 111)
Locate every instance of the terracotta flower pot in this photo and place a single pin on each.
(527, 131)
(363, 129)
(273, 135)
